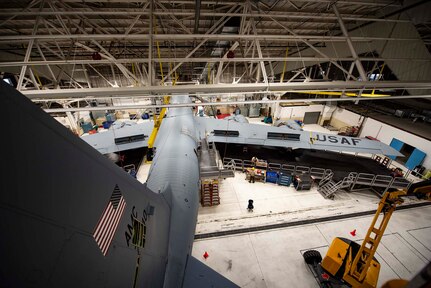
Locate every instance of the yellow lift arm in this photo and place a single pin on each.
(390, 200)
(157, 122)
(354, 265)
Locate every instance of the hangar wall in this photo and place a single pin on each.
(298, 112)
(386, 133)
(342, 117)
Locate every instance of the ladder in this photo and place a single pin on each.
(329, 187)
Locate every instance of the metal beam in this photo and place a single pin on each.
(309, 44)
(230, 103)
(226, 88)
(172, 14)
(135, 20)
(31, 4)
(259, 53)
(224, 59)
(379, 3)
(175, 37)
(151, 72)
(203, 60)
(197, 16)
(111, 58)
(28, 52)
(101, 76)
(350, 44)
(44, 60)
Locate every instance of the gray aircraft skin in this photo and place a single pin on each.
(175, 172)
(75, 219)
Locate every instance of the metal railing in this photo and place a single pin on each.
(385, 181)
(325, 176)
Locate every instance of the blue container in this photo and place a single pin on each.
(106, 124)
(271, 176)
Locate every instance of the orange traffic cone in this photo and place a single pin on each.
(353, 233)
(206, 255)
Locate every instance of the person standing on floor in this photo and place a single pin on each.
(252, 175)
(254, 161)
(250, 206)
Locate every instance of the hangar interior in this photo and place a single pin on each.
(107, 70)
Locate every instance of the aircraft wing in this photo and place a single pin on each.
(255, 134)
(121, 136)
(199, 275)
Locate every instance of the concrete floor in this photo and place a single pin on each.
(273, 258)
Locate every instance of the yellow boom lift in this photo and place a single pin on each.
(348, 264)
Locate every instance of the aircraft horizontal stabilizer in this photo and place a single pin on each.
(199, 275)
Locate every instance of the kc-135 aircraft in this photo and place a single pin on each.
(72, 218)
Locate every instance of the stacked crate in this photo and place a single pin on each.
(210, 193)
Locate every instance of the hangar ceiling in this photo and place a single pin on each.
(77, 48)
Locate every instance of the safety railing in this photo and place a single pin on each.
(325, 176)
(318, 173)
(302, 169)
(235, 164)
(288, 168)
(382, 181)
(274, 167)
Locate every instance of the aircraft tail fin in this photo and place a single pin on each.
(74, 218)
(200, 275)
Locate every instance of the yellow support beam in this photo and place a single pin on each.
(284, 65)
(337, 93)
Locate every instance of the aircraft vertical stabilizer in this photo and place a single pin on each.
(73, 218)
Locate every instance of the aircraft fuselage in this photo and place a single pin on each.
(175, 174)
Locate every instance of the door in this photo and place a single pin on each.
(415, 159)
(311, 117)
(397, 145)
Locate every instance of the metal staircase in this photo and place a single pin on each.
(327, 187)
(210, 164)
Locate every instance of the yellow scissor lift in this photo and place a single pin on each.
(348, 264)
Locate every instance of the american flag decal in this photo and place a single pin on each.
(108, 222)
